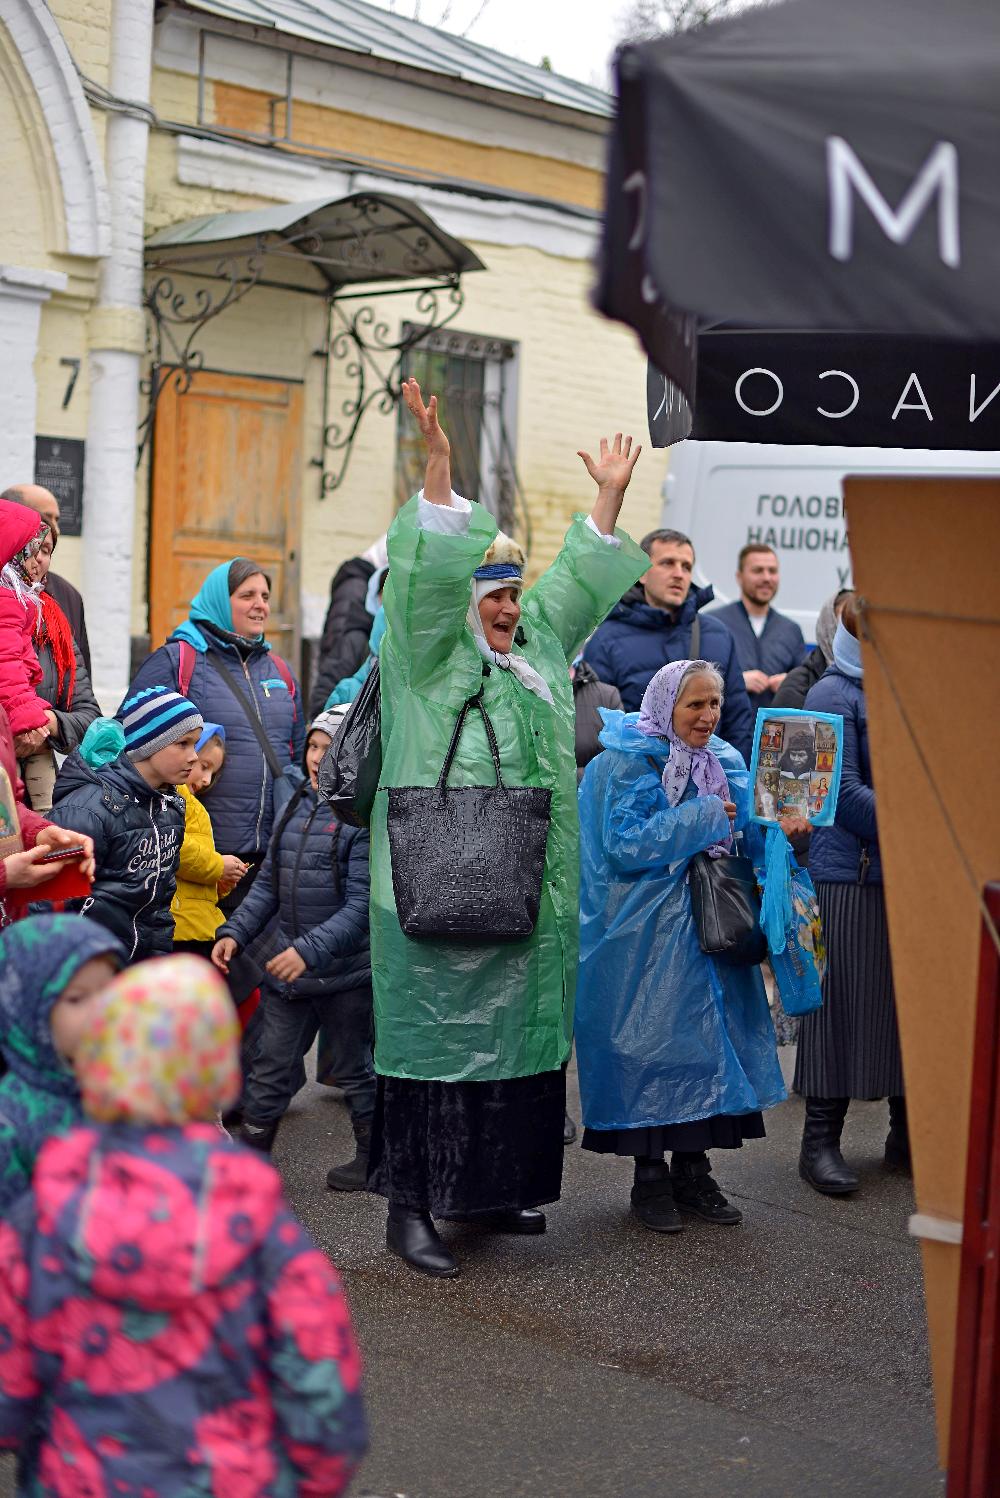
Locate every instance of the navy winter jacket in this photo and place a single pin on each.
(636, 640)
(315, 879)
(847, 852)
(240, 803)
(137, 836)
(777, 648)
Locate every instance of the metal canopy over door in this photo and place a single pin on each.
(226, 482)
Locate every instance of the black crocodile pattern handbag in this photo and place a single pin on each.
(467, 861)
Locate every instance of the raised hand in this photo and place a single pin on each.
(613, 469)
(611, 473)
(426, 418)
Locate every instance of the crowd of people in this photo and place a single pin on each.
(582, 740)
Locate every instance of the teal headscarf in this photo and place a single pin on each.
(211, 604)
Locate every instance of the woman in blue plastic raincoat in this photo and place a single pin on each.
(675, 1051)
(471, 1039)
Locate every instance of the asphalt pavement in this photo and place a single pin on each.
(787, 1356)
(784, 1357)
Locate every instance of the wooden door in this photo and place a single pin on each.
(226, 482)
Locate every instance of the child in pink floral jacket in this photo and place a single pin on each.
(167, 1327)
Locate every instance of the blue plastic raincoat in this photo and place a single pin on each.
(663, 1033)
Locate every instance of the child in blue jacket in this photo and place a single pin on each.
(52, 967)
(315, 880)
(120, 787)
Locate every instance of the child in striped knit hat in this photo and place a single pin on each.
(120, 786)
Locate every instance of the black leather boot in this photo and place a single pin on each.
(697, 1192)
(353, 1175)
(653, 1197)
(820, 1160)
(517, 1220)
(259, 1136)
(413, 1236)
(897, 1144)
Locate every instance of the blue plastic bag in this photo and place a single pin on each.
(789, 916)
(796, 764)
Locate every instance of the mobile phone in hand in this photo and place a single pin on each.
(58, 855)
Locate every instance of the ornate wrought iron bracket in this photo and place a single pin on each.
(359, 344)
(175, 320)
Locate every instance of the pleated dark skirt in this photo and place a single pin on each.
(456, 1149)
(850, 1047)
(724, 1131)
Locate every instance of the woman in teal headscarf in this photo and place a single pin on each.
(220, 659)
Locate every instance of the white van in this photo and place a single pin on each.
(724, 494)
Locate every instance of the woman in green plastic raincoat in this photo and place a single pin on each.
(471, 1039)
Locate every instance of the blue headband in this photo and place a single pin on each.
(498, 571)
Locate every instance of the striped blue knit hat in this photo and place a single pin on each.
(154, 718)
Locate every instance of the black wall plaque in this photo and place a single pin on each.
(59, 467)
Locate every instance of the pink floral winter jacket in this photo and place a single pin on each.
(168, 1328)
(20, 672)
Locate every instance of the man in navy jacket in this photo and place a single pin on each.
(768, 644)
(654, 624)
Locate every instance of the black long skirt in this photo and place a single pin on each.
(724, 1131)
(850, 1047)
(457, 1149)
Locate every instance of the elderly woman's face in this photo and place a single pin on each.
(499, 612)
(697, 710)
(251, 606)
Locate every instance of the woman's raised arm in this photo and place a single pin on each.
(611, 472)
(437, 478)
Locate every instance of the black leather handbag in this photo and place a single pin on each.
(467, 861)
(350, 769)
(725, 902)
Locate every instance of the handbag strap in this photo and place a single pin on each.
(491, 739)
(252, 717)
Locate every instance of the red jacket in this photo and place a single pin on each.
(31, 822)
(20, 672)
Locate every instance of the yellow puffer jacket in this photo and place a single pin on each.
(195, 906)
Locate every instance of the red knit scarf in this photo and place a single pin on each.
(53, 629)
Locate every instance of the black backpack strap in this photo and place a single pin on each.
(695, 646)
(338, 885)
(251, 714)
(278, 831)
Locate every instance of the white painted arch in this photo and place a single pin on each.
(47, 61)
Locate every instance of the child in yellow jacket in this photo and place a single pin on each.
(202, 874)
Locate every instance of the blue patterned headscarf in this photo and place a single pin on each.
(39, 1095)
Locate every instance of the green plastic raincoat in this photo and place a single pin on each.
(448, 1011)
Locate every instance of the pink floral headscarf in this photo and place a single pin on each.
(163, 1047)
(656, 718)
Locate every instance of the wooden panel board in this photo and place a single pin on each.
(925, 554)
(226, 482)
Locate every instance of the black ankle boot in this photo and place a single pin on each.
(259, 1136)
(516, 1220)
(353, 1175)
(820, 1160)
(653, 1197)
(569, 1130)
(697, 1192)
(413, 1236)
(897, 1144)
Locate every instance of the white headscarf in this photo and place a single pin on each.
(515, 664)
